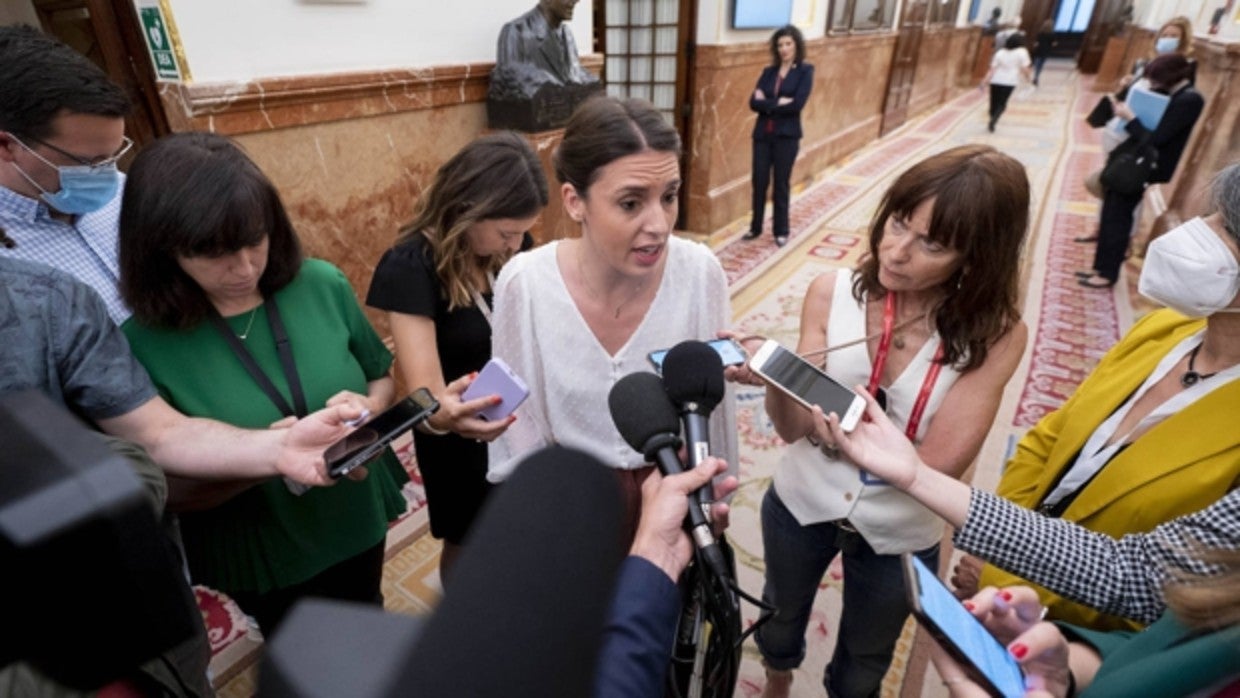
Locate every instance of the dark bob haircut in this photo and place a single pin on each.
(604, 129)
(41, 77)
(787, 30)
(196, 195)
(1169, 69)
(981, 210)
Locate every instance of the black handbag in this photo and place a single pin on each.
(1129, 167)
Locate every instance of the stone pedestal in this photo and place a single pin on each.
(548, 108)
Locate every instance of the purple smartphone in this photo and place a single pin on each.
(497, 379)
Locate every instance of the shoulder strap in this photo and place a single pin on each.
(285, 351)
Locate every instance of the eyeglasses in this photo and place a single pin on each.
(108, 161)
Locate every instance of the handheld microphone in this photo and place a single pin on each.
(647, 420)
(693, 379)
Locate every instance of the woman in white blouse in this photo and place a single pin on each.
(574, 316)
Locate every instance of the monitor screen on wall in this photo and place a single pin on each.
(761, 14)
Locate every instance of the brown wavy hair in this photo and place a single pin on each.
(495, 176)
(1209, 600)
(981, 210)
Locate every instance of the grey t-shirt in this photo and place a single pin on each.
(56, 336)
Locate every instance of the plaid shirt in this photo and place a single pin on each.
(1121, 577)
(85, 248)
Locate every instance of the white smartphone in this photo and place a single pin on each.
(987, 662)
(806, 384)
(496, 378)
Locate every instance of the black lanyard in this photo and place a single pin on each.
(283, 348)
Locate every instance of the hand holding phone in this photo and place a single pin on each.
(496, 378)
(960, 634)
(805, 383)
(364, 443)
(730, 352)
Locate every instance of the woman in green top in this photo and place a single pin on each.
(214, 273)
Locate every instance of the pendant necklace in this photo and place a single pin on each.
(1191, 377)
(596, 295)
(249, 325)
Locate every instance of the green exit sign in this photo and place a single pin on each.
(155, 29)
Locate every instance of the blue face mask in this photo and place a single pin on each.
(83, 188)
(1167, 44)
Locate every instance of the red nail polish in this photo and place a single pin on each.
(1018, 650)
(968, 605)
(496, 400)
(1005, 595)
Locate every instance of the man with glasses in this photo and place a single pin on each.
(62, 131)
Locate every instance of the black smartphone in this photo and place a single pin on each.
(365, 442)
(729, 350)
(963, 637)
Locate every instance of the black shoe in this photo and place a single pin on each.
(1086, 238)
(781, 240)
(991, 126)
(752, 235)
(1084, 273)
(1096, 281)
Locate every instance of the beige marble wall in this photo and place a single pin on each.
(1215, 142)
(844, 113)
(844, 110)
(351, 153)
(944, 64)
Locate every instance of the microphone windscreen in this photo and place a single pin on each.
(524, 610)
(693, 372)
(641, 410)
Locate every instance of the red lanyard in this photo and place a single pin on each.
(880, 361)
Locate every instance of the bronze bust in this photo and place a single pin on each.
(538, 79)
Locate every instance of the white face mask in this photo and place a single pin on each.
(1189, 269)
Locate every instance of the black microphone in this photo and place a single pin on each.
(693, 379)
(647, 420)
(537, 573)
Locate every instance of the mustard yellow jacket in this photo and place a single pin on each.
(1181, 465)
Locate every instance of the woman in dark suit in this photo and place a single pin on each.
(1169, 74)
(778, 99)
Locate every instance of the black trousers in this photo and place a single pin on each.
(777, 154)
(999, 95)
(1114, 230)
(355, 579)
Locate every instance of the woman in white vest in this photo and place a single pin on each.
(931, 319)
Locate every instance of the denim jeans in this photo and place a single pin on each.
(875, 606)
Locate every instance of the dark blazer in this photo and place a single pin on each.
(787, 118)
(639, 632)
(1172, 132)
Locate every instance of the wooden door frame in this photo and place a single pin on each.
(118, 31)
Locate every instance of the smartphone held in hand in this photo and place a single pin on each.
(496, 378)
(730, 352)
(367, 441)
(987, 662)
(806, 384)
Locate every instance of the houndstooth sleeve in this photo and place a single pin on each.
(1122, 577)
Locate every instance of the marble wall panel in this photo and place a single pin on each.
(349, 185)
(934, 78)
(351, 153)
(1215, 142)
(842, 114)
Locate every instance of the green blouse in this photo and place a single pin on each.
(267, 538)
